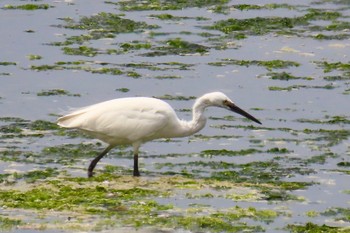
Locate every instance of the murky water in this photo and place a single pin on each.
(304, 106)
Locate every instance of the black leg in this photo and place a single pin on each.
(95, 161)
(136, 165)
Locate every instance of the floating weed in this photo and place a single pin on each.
(243, 152)
(297, 87)
(112, 71)
(341, 214)
(46, 67)
(108, 23)
(108, 68)
(34, 57)
(171, 97)
(269, 65)
(28, 7)
(243, 7)
(224, 152)
(179, 47)
(311, 227)
(253, 26)
(148, 66)
(135, 45)
(281, 25)
(312, 214)
(331, 137)
(69, 153)
(329, 120)
(337, 78)
(201, 137)
(343, 164)
(33, 176)
(7, 63)
(81, 50)
(10, 129)
(123, 89)
(329, 66)
(20, 128)
(99, 26)
(59, 92)
(7, 224)
(42, 125)
(284, 76)
(171, 17)
(320, 159)
(73, 66)
(168, 77)
(321, 36)
(129, 201)
(158, 5)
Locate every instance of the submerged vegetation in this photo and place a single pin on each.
(234, 177)
(29, 7)
(269, 65)
(115, 196)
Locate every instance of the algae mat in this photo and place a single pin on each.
(286, 63)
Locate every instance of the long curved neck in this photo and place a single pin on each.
(198, 119)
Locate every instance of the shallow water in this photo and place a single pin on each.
(307, 115)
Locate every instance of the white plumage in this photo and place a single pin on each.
(135, 120)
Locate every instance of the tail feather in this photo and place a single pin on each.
(70, 120)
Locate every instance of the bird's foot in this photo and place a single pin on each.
(136, 173)
(90, 174)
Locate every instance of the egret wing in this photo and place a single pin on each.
(122, 120)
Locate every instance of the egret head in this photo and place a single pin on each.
(219, 99)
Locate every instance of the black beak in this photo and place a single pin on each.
(240, 111)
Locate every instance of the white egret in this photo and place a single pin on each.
(136, 120)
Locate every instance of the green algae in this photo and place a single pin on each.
(72, 66)
(28, 7)
(135, 45)
(34, 57)
(167, 77)
(297, 87)
(269, 65)
(297, 26)
(172, 17)
(253, 26)
(59, 92)
(321, 36)
(284, 76)
(125, 200)
(172, 97)
(33, 176)
(108, 23)
(16, 128)
(81, 50)
(158, 5)
(7, 224)
(10, 129)
(328, 120)
(246, 7)
(127, 210)
(311, 227)
(340, 213)
(177, 46)
(127, 69)
(7, 63)
(224, 152)
(331, 66)
(328, 137)
(99, 26)
(123, 89)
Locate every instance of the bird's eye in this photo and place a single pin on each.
(225, 102)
